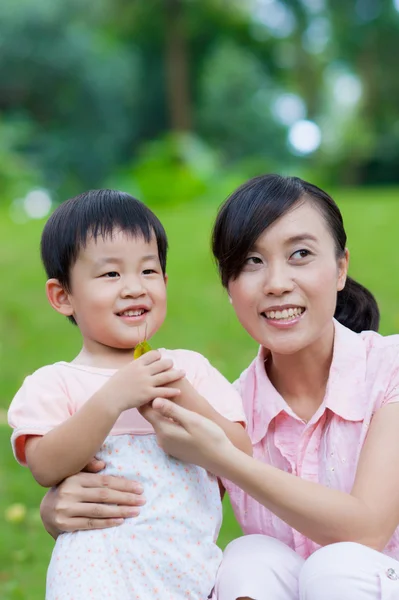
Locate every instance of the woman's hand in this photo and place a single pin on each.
(90, 501)
(189, 436)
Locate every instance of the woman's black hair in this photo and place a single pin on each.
(90, 215)
(258, 203)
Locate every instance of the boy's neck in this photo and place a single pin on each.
(104, 357)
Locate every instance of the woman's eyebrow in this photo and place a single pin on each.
(294, 239)
(303, 237)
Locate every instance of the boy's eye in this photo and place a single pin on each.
(302, 253)
(148, 271)
(111, 274)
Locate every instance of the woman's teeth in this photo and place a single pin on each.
(132, 313)
(287, 313)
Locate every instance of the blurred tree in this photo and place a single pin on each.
(177, 65)
(97, 81)
(60, 69)
(17, 176)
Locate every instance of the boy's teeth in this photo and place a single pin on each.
(287, 313)
(133, 313)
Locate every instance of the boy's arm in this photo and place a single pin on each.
(189, 398)
(66, 449)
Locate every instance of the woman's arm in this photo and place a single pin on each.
(90, 501)
(368, 515)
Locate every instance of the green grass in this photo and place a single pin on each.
(199, 318)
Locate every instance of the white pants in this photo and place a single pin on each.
(262, 568)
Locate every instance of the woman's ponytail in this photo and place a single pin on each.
(357, 308)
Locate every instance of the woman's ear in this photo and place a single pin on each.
(59, 298)
(343, 264)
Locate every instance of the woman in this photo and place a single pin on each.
(321, 402)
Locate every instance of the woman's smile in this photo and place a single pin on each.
(284, 316)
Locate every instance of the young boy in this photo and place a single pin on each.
(105, 256)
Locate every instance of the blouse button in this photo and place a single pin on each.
(391, 574)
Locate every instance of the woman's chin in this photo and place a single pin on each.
(286, 346)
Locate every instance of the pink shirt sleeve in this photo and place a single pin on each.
(387, 370)
(392, 394)
(41, 404)
(210, 383)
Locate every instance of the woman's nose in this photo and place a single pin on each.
(278, 281)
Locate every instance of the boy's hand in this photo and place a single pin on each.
(142, 380)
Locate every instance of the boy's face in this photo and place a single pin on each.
(118, 291)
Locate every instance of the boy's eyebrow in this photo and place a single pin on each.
(109, 259)
(151, 257)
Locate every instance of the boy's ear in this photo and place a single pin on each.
(166, 278)
(58, 298)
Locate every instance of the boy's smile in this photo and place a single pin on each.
(118, 293)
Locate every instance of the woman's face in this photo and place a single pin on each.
(286, 293)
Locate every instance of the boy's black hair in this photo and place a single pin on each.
(92, 214)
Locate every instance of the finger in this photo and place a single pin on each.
(158, 421)
(81, 524)
(168, 377)
(95, 480)
(150, 357)
(108, 496)
(94, 466)
(167, 392)
(151, 415)
(103, 511)
(170, 410)
(145, 409)
(160, 365)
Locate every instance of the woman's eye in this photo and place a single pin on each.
(253, 260)
(111, 274)
(303, 253)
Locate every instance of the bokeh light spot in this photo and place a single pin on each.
(304, 137)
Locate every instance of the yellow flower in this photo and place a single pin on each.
(15, 513)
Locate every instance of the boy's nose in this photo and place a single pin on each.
(133, 289)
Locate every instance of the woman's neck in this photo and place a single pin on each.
(301, 378)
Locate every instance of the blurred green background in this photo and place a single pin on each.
(178, 102)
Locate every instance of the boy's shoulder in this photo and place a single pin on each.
(48, 369)
(49, 377)
(188, 360)
(182, 354)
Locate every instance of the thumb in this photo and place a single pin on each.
(94, 466)
(149, 414)
(171, 410)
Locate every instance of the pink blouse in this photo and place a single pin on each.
(364, 376)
